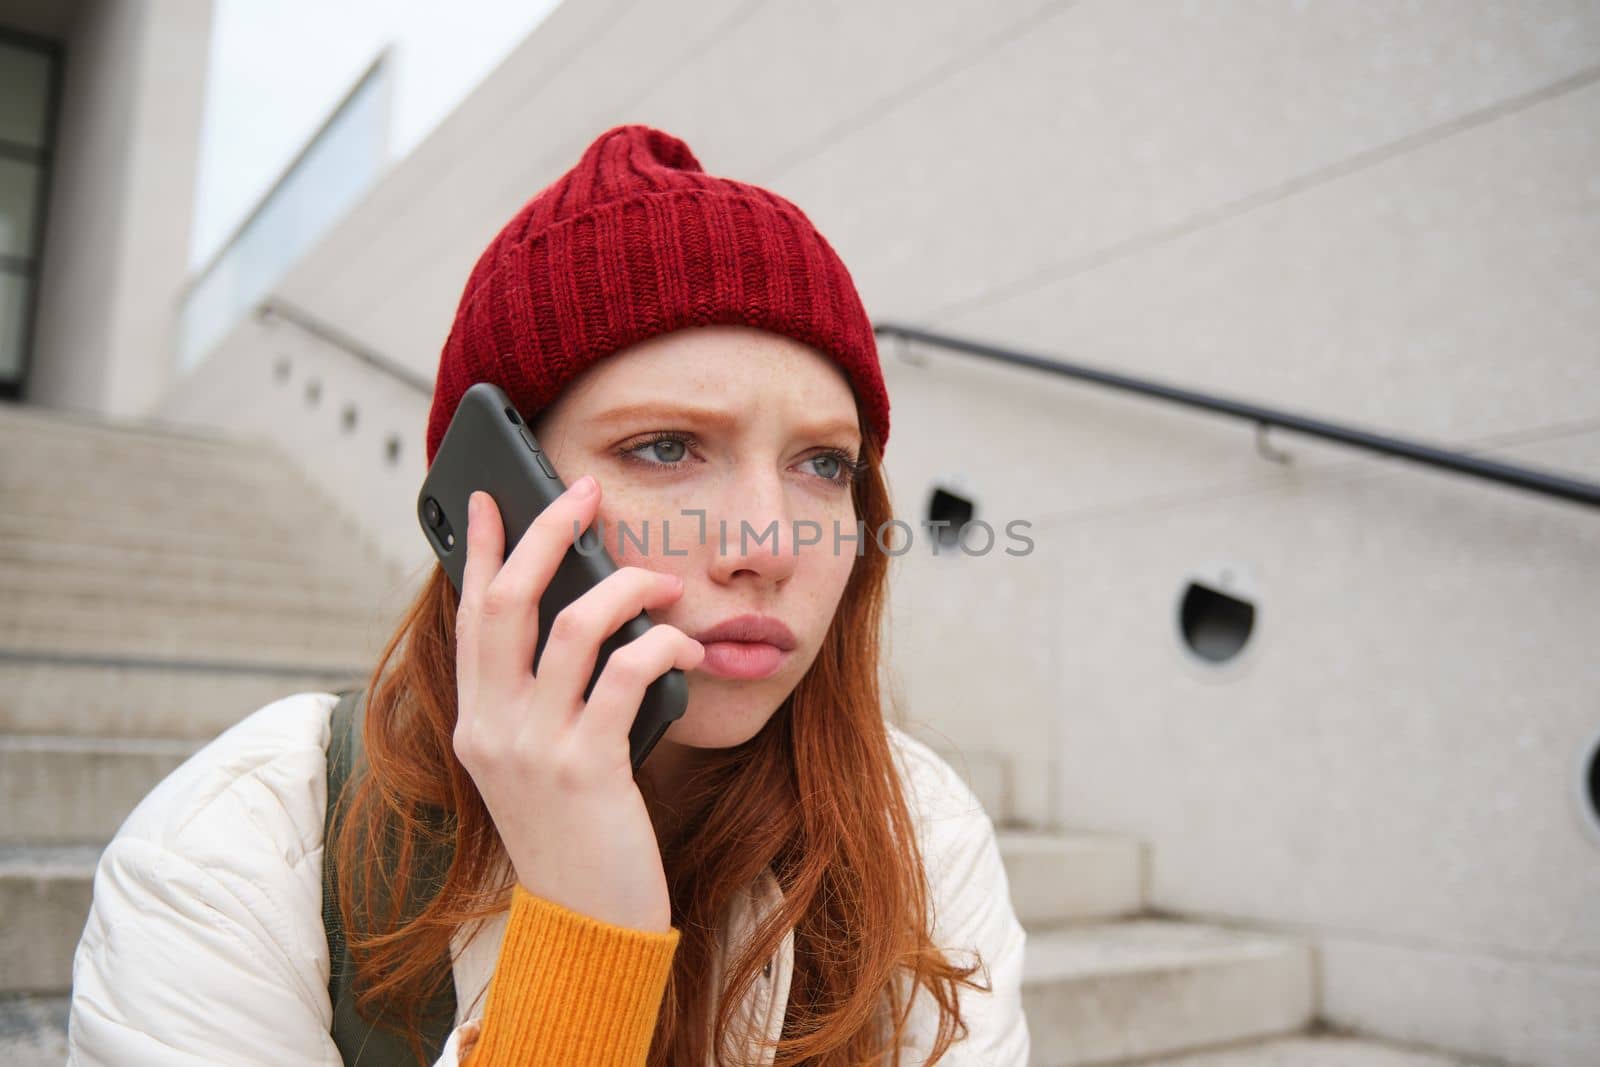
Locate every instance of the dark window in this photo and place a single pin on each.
(30, 85)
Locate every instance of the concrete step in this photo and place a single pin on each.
(27, 424)
(1059, 878)
(249, 513)
(1107, 992)
(67, 420)
(174, 475)
(61, 789)
(25, 428)
(249, 518)
(317, 650)
(22, 424)
(44, 461)
(1311, 1050)
(166, 561)
(236, 537)
(108, 698)
(296, 638)
(24, 587)
(44, 900)
(33, 1031)
(89, 612)
(287, 503)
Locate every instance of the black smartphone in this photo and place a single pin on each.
(488, 446)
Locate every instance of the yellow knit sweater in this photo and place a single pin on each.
(570, 990)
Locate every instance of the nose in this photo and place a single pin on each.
(752, 535)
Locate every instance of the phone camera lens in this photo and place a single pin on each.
(431, 512)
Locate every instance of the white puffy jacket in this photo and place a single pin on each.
(205, 942)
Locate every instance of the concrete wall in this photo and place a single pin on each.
(121, 200)
(1377, 213)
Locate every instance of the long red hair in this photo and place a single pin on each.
(815, 795)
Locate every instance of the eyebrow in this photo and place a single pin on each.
(711, 417)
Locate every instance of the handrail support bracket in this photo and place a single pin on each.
(1265, 448)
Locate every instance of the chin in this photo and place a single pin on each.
(722, 719)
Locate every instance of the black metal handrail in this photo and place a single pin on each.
(1544, 482)
(277, 308)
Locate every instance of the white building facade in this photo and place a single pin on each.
(1337, 695)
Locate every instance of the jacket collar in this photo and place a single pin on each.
(761, 1010)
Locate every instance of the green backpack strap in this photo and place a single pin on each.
(360, 1041)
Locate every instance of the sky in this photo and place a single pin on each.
(278, 67)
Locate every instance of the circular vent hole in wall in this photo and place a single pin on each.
(1589, 788)
(1215, 623)
(952, 509)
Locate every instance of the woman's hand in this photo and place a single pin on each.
(554, 770)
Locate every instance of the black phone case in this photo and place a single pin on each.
(488, 446)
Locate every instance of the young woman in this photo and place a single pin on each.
(788, 879)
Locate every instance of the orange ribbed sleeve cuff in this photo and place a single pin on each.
(572, 990)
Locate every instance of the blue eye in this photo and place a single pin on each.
(831, 465)
(845, 467)
(666, 450)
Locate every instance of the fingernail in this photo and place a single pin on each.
(473, 506)
(583, 486)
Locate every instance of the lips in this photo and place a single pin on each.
(760, 629)
(747, 646)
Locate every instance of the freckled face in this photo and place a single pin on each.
(750, 427)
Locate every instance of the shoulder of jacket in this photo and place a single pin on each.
(213, 885)
(935, 792)
(973, 917)
(260, 785)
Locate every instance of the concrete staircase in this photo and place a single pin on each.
(155, 587)
(158, 586)
(1107, 981)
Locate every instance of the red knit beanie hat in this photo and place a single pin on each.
(638, 240)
